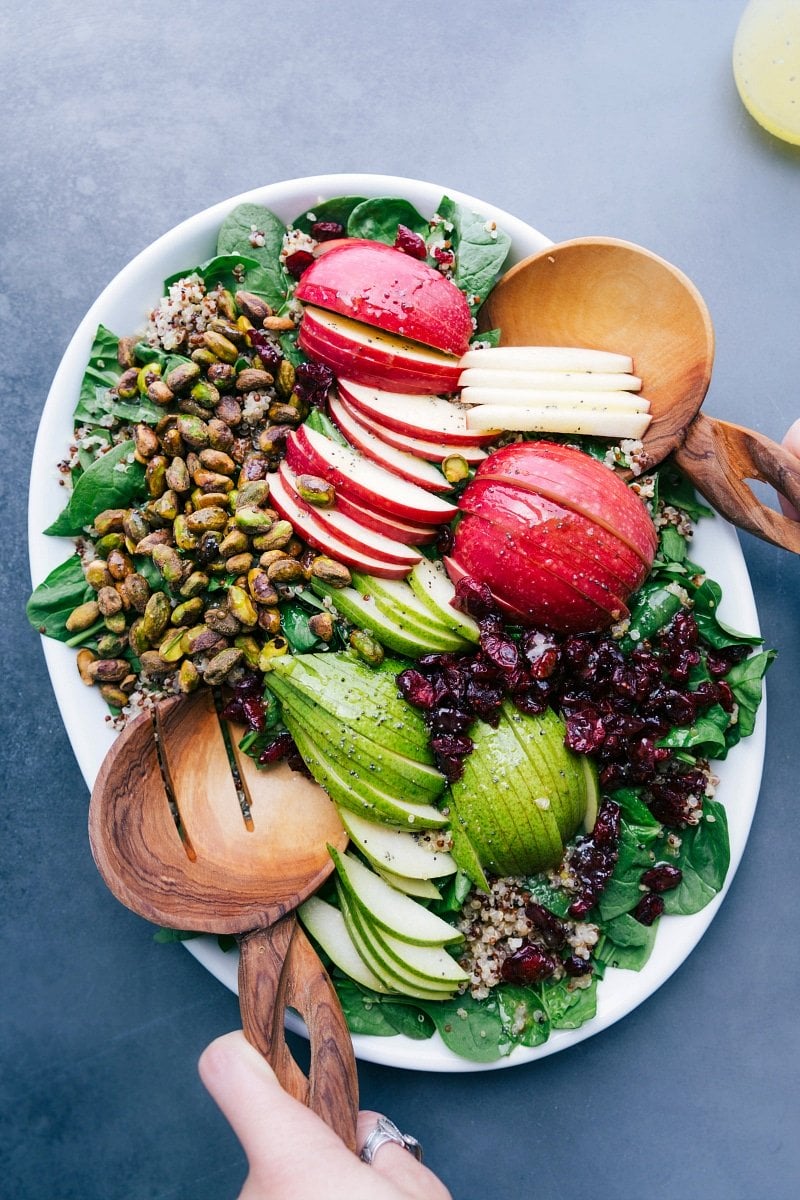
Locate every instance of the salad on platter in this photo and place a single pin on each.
(428, 570)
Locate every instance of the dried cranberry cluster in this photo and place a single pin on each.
(539, 956)
(245, 704)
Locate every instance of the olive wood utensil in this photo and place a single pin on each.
(607, 294)
(230, 871)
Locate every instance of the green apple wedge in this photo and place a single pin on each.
(392, 976)
(499, 800)
(379, 764)
(421, 889)
(542, 739)
(464, 853)
(432, 586)
(364, 613)
(389, 909)
(397, 601)
(365, 699)
(358, 796)
(592, 793)
(326, 925)
(395, 850)
(431, 966)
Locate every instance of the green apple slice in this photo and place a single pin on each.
(432, 585)
(364, 612)
(396, 599)
(380, 964)
(354, 794)
(377, 763)
(542, 739)
(396, 851)
(423, 889)
(364, 699)
(592, 793)
(464, 853)
(389, 909)
(326, 925)
(431, 965)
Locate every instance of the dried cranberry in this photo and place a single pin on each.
(549, 927)
(250, 684)
(444, 257)
(663, 877)
(326, 231)
(445, 540)
(451, 720)
(280, 747)
(649, 908)
(474, 598)
(234, 709)
(451, 766)
(585, 732)
(298, 261)
(410, 242)
(312, 382)
(575, 966)
(719, 662)
(529, 964)
(501, 651)
(484, 699)
(415, 688)
(266, 349)
(451, 744)
(254, 712)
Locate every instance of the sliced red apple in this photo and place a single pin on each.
(457, 573)
(400, 462)
(418, 416)
(369, 484)
(380, 286)
(350, 531)
(311, 529)
(430, 451)
(580, 482)
(408, 532)
(373, 357)
(546, 532)
(544, 598)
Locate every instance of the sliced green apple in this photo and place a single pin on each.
(389, 909)
(429, 964)
(464, 853)
(395, 850)
(327, 926)
(402, 637)
(422, 889)
(399, 603)
(592, 793)
(432, 586)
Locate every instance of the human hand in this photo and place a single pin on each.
(792, 443)
(292, 1154)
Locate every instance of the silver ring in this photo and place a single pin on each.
(386, 1131)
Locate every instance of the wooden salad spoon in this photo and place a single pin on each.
(173, 842)
(607, 294)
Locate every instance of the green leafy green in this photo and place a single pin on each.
(379, 218)
(473, 1029)
(706, 736)
(523, 1014)
(654, 606)
(55, 598)
(102, 370)
(320, 422)
(337, 210)
(624, 892)
(675, 489)
(746, 683)
(628, 943)
(274, 283)
(112, 481)
(703, 859)
(480, 250)
(568, 1006)
(716, 633)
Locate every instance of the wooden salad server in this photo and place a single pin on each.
(174, 843)
(607, 294)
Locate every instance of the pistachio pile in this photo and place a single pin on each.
(188, 582)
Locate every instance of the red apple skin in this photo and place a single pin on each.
(457, 572)
(358, 538)
(542, 598)
(429, 450)
(402, 531)
(373, 446)
(574, 479)
(303, 456)
(306, 522)
(381, 406)
(381, 286)
(543, 526)
(374, 365)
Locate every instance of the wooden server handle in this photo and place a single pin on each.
(278, 969)
(720, 457)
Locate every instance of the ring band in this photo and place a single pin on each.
(386, 1131)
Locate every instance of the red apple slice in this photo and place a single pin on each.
(577, 481)
(457, 572)
(430, 451)
(408, 532)
(415, 415)
(350, 531)
(401, 463)
(306, 523)
(374, 283)
(534, 517)
(374, 357)
(544, 598)
(373, 486)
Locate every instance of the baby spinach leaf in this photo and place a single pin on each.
(454, 892)
(480, 250)
(746, 683)
(362, 1009)
(489, 337)
(237, 272)
(568, 1006)
(706, 736)
(671, 545)
(294, 623)
(623, 891)
(407, 1019)
(321, 423)
(338, 210)
(523, 1014)
(553, 899)
(378, 219)
(473, 1029)
(704, 858)
(106, 403)
(634, 810)
(102, 370)
(628, 943)
(675, 489)
(55, 598)
(715, 632)
(112, 481)
(274, 283)
(653, 608)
